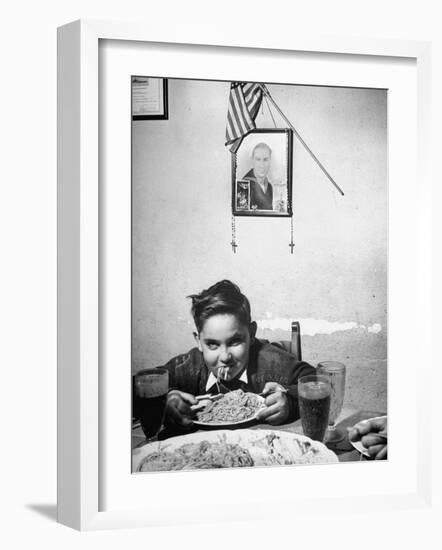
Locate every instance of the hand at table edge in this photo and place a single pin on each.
(366, 431)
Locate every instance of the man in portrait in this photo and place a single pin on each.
(261, 191)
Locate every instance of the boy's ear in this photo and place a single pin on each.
(197, 340)
(253, 327)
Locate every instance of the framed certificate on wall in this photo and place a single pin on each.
(149, 98)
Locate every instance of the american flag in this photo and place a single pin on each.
(244, 102)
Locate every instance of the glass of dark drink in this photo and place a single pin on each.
(314, 393)
(150, 395)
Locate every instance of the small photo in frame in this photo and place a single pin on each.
(242, 196)
(149, 98)
(262, 174)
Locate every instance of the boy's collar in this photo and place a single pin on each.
(211, 381)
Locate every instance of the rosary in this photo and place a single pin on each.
(233, 243)
(235, 246)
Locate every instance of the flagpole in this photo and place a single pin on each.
(267, 94)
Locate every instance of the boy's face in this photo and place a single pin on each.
(225, 344)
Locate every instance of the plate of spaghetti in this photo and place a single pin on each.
(230, 449)
(234, 409)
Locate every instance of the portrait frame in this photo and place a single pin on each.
(281, 140)
(81, 313)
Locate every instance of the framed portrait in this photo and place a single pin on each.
(262, 174)
(113, 173)
(149, 98)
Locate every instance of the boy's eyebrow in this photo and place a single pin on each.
(235, 336)
(211, 341)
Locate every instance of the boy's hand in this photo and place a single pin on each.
(277, 405)
(178, 409)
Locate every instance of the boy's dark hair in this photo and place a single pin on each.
(222, 297)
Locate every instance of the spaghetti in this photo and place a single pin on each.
(235, 406)
(230, 449)
(198, 456)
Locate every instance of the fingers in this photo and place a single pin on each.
(272, 415)
(176, 396)
(353, 434)
(189, 398)
(273, 398)
(382, 454)
(372, 439)
(273, 402)
(177, 417)
(360, 429)
(268, 411)
(367, 427)
(378, 424)
(276, 410)
(271, 387)
(178, 408)
(374, 450)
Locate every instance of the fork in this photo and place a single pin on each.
(209, 396)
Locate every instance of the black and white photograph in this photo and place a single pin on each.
(264, 159)
(259, 341)
(242, 195)
(223, 340)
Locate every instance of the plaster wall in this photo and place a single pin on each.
(335, 282)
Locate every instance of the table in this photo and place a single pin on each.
(344, 449)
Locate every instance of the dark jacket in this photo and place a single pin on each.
(259, 199)
(267, 363)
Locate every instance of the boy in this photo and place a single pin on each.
(227, 349)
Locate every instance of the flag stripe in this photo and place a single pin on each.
(244, 102)
(232, 130)
(233, 133)
(244, 117)
(240, 122)
(251, 93)
(254, 101)
(235, 130)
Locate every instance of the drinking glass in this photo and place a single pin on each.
(336, 372)
(314, 392)
(151, 386)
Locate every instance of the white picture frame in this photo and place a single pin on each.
(82, 295)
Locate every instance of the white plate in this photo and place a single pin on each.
(282, 448)
(357, 444)
(230, 425)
